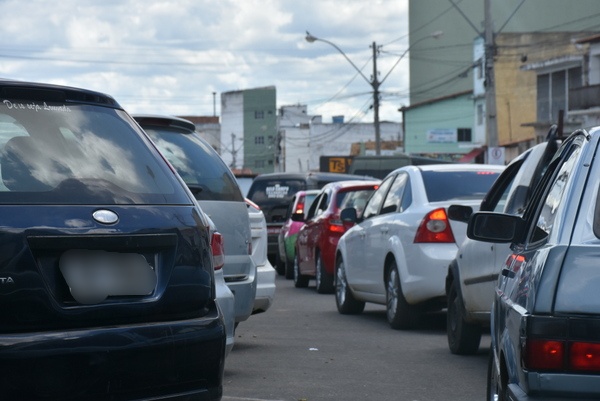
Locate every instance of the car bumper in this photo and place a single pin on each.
(265, 288)
(240, 276)
(166, 360)
(557, 387)
(424, 274)
(226, 302)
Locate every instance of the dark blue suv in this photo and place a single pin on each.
(106, 271)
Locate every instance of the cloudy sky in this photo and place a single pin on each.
(159, 56)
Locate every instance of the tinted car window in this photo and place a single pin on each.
(447, 185)
(197, 163)
(78, 154)
(275, 191)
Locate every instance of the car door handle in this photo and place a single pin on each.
(362, 235)
(384, 229)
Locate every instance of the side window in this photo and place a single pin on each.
(375, 201)
(313, 207)
(391, 203)
(323, 203)
(553, 198)
(501, 203)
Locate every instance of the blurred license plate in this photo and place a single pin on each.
(93, 276)
(273, 230)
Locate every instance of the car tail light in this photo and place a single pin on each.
(335, 225)
(559, 351)
(584, 356)
(300, 206)
(435, 227)
(544, 354)
(218, 250)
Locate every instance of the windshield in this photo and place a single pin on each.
(78, 154)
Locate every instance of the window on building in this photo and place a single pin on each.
(259, 140)
(553, 92)
(259, 115)
(463, 134)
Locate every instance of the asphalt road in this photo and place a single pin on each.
(303, 349)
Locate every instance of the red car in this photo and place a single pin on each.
(318, 238)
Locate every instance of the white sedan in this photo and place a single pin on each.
(398, 253)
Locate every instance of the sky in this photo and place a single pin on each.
(169, 57)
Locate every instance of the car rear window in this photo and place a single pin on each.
(197, 163)
(53, 153)
(448, 185)
(275, 191)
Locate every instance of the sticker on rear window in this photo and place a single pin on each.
(35, 106)
(277, 191)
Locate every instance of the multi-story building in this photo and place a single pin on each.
(538, 60)
(249, 135)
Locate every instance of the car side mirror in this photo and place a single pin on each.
(460, 213)
(494, 227)
(297, 217)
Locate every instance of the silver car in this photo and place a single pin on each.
(219, 196)
(474, 271)
(545, 318)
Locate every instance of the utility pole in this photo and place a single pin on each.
(491, 124)
(233, 152)
(375, 85)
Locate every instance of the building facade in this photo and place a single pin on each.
(249, 135)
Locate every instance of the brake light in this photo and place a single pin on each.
(544, 354)
(300, 207)
(585, 356)
(218, 250)
(435, 227)
(335, 226)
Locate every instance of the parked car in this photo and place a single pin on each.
(218, 193)
(224, 296)
(398, 253)
(546, 310)
(474, 271)
(265, 273)
(294, 220)
(273, 193)
(108, 287)
(319, 235)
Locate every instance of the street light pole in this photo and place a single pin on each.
(374, 81)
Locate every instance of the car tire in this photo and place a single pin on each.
(289, 268)
(279, 265)
(324, 280)
(344, 299)
(400, 314)
(300, 280)
(463, 337)
(496, 387)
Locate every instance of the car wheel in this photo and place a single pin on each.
(496, 387)
(345, 301)
(463, 337)
(400, 314)
(289, 268)
(324, 280)
(300, 280)
(279, 265)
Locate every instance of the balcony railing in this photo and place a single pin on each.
(583, 98)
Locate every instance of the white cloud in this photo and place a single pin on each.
(170, 56)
